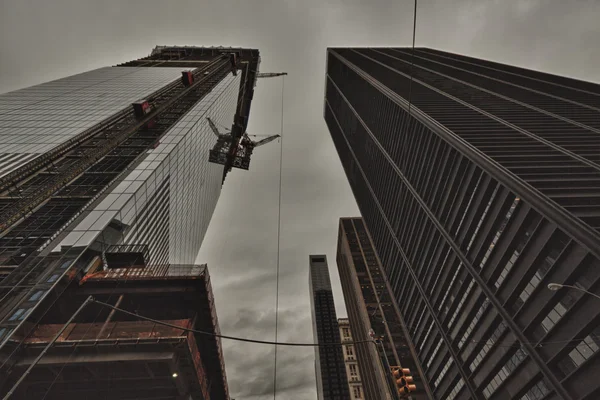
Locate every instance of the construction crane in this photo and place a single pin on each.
(270, 74)
(231, 151)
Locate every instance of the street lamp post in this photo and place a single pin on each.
(556, 286)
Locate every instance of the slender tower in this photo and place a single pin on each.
(330, 369)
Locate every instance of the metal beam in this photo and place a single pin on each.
(129, 356)
(34, 362)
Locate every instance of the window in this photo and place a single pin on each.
(471, 326)
(443, 372)
(434, 353)
(461, 303)
(488, 346)
(352, 368)
(349, 351)
(346, 332)
(456, 389)
(538, 391)
(506, 370)
(487, 208)
(553, 316)
(17, 314)
(499, 232)
(528, 233)
(584, 350)
(357, 392)
(557, 245)
(36, 295)
(426, 336)
(456, 272)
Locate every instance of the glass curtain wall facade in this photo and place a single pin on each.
(40, 118)
(86, 176)
(167, 198)
(479, 183)
(330, 369)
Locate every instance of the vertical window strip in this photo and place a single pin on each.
(504, 224)
(462, 302)
(468, 205)
(509, 265)
(419, 322)
(443, 372)
(487, 208)
(437, 348)
(450, 285)
(469, 330)
(456, 389)
(537, 392)
(506, 370)
(440, 270)
(488, 346)
(426, 336)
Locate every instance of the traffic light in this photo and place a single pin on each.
(404, 381)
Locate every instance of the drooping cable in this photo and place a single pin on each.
(74, 350)
(226, 337)
(278, 244)
(291, 344)
(159, 322)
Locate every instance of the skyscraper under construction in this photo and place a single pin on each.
(479, 183)
(108, 181)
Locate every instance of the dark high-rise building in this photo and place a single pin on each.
(370, 309)
(117, 171)
(330, 368)
(479, 183)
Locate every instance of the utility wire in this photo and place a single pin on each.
(235, 338)
(291, 344)
(74, 350)
(212, 334)
(278, 243)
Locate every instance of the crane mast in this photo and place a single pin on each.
(232, 151)
(270, 74)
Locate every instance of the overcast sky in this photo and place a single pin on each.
(43, 40)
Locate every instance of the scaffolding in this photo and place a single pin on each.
(104, 354)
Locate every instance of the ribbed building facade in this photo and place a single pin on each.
(330, 368)
(111, 172)
(480, 184)
(370, 305)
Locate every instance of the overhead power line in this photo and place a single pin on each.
(298, 344)
(278, 243)
(235, 338)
